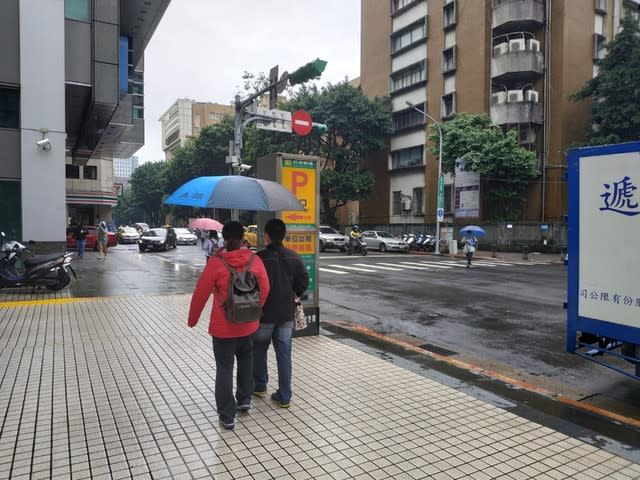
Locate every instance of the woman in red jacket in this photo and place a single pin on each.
(229, 339)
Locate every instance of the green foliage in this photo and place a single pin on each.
(127, 211)
(356, 127)
(616, 89)
(148, 188)
(504, 166)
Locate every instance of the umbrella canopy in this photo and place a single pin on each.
(473, 229)
(234, 192)
(206, 224)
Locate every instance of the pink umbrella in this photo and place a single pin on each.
(205, 224)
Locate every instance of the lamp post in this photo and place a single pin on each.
(438, 206)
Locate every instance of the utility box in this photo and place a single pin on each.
(453, 247)
(300, 175)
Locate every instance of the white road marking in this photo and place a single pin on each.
(431, 264)
(353, 268)
(328, 270)
(413, 267)
(378, 266)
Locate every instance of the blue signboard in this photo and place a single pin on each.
(603, 304)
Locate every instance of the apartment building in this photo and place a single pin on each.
(516, 60)
(71, 99)
(186, 118)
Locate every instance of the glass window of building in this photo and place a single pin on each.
(449, 15)
(412, 75)
(408, 36)
(407, 157)
(408, 119)
(90, 172)
(418, 202)
(9, 107)
(72, 171)
(449, 60)
(395, 204)
(77, 10)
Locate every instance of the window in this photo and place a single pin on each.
(9, 107)
(449, 60)
(448, 199)
(407, 157)
(72, 171)
(138, 113)
(396, 207)
(448, 104)
(90, 172)
(408, 119)
(601, 6)
(418, 202)
(409, 76)
(397, 5)
(449, 15)
(408, 36)
(77, 10)
(599, 49)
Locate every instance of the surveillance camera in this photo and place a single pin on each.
(243, 167)
(44, 144)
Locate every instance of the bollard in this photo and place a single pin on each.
(494, 248)
(525, 253)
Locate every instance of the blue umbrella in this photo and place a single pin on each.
(473, 229)
(234, 192)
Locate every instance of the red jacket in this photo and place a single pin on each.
(215, 279)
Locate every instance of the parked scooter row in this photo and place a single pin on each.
(420, 242)
(18, 270)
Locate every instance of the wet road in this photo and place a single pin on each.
(506, 317)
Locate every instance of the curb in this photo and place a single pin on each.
(475, 369)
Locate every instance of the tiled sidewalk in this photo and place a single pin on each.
(120, 388)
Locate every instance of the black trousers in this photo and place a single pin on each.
(224, 351)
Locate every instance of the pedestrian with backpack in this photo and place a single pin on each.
(289, 279)
(238, 281)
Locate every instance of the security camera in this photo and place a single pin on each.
(243, 167)
(44, 144)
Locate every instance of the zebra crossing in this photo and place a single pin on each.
(409, 266)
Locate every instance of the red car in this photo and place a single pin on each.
(92, 238)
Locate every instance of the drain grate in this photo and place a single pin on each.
(436, 349)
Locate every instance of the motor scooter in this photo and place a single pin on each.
(357, 245)
(49, 271)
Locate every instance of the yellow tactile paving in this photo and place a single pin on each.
(121, 388)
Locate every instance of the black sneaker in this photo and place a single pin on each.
(228, 424)
(276, 398)
(244, 407)
(260, 393)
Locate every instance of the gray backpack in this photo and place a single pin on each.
(243, 302)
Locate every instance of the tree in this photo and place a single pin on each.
(356, 127)
(504, 166)
(148, 189)
(127, 211)
(615, 90)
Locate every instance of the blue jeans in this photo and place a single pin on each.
(81, 244)
(280, 334)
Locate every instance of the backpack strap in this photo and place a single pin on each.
(231, 270)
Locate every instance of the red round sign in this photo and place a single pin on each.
(301, 123)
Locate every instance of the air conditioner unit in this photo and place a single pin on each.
(531, 96)
(516, 45)
(498, 98)
(406, 204)
(500, 49)
(515, 96)
(533, 45)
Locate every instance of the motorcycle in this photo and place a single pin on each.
(49, 271)
(357, 245)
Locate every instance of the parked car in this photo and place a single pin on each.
(330, 239)
(158, 239)
(141, 227)
(251, 235)
(384, 241)
(127, 235)
(186, 236)
(92, 238)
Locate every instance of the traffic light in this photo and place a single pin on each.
(307, 72)
(320, 127)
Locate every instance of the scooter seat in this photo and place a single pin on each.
(39, 259)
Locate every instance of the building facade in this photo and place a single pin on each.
(71, 99)
(186, 118)
(516, 60)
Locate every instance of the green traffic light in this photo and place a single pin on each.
(307, 72)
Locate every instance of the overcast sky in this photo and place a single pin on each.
(202, 47)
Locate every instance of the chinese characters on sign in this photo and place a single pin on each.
(618, 197)
(300, 242)
(615, 298)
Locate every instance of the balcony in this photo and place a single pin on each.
(517, 61)
(510, 15)
(519, 108)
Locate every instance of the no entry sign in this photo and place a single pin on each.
(301, 123)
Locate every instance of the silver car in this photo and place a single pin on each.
(329, 238)
(185, 236)
(384, 241)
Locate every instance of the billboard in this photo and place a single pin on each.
(467, 192)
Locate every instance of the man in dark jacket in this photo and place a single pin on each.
(289, 279)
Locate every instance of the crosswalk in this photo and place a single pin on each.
(408, 266)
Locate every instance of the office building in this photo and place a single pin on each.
(516, 60)
(71, 99)
(186, 118)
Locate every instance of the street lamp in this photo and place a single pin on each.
(437, 124)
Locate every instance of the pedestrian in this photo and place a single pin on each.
(229, 339)
(103, 239)
(212, 244)
(80, 235)
(470, 242)
(289, 279)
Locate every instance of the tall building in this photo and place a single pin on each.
(71, 98)
(516, 60)
(186, 118)
(124, 167)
